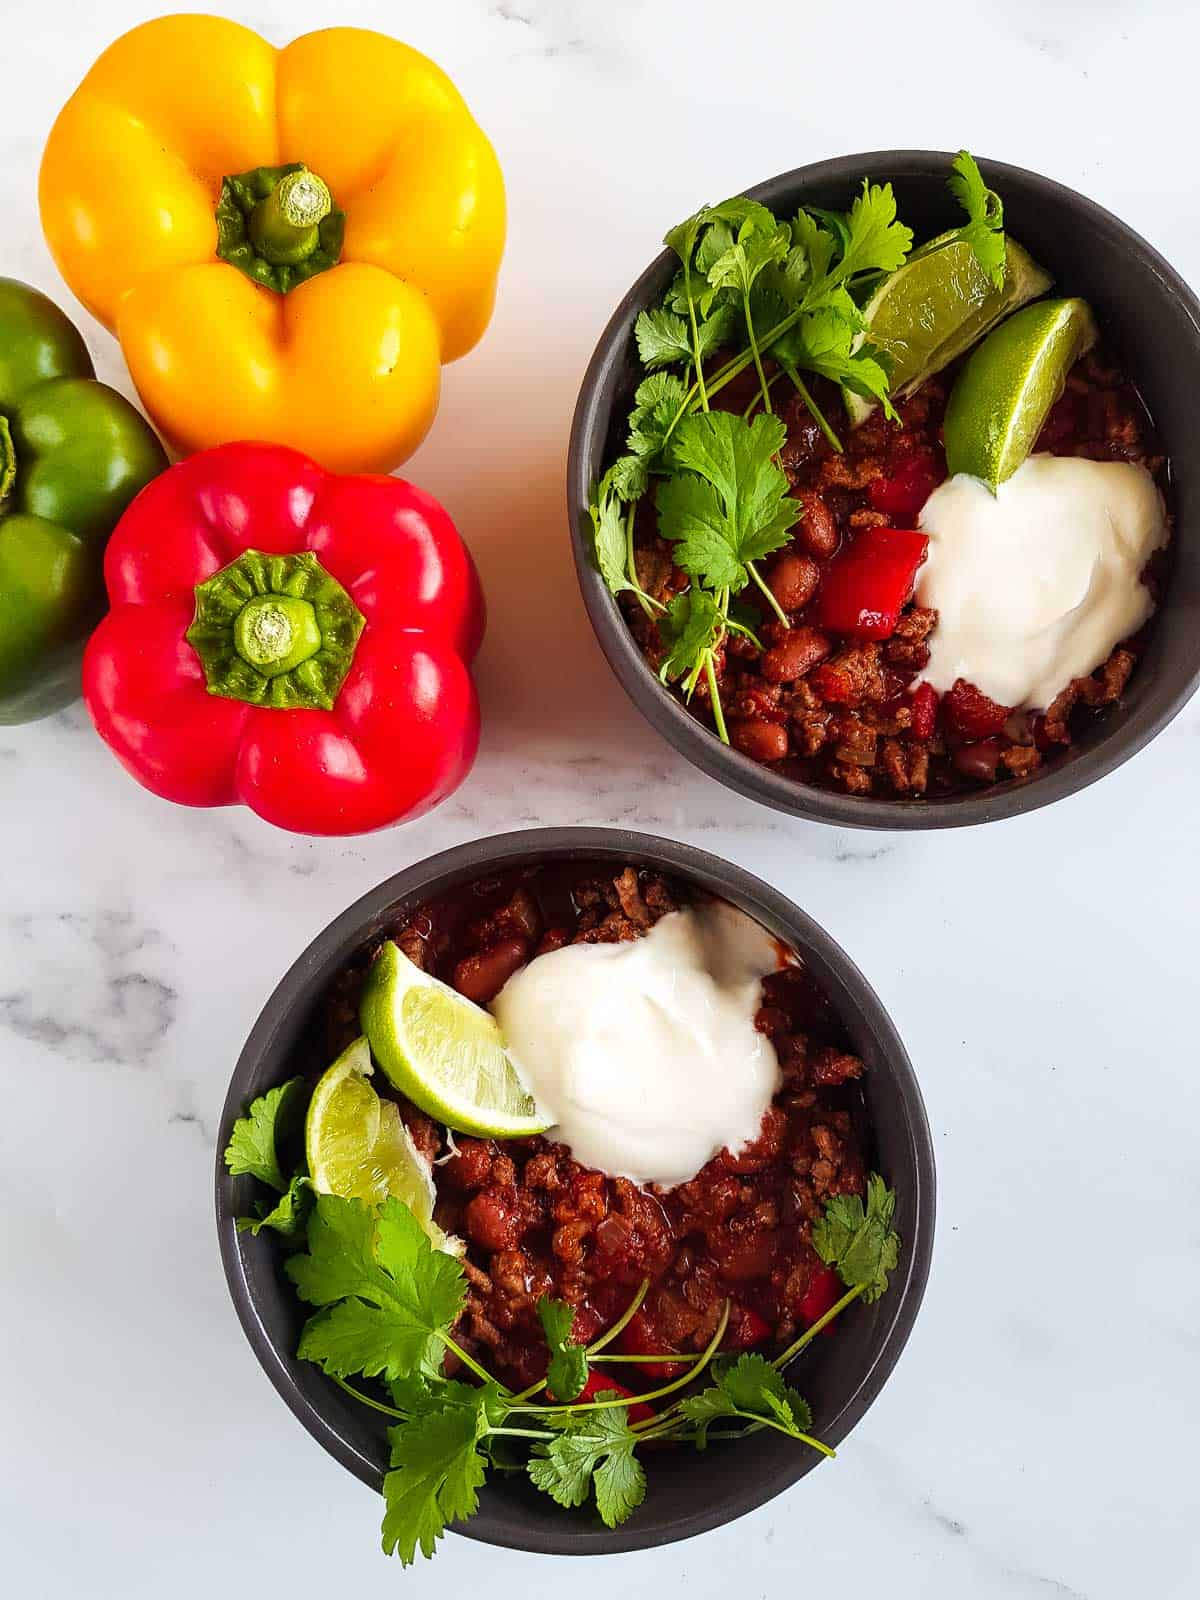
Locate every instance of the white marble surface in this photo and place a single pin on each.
(1038, 1438)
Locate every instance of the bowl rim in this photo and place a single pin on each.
(834, 969)
(665, 713)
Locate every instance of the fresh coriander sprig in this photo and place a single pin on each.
(387, 1305)
(253, 1151)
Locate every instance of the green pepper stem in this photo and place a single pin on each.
(283, 227)
(275, 630)
(8, 460)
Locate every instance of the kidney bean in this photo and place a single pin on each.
(978, 761)
(817, 532)
(493, 1219)
(482, 976)
(759, 739)
(794, 655)
(793, 580)
(471, 1168)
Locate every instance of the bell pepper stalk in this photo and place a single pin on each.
(287, 243)
(289, 639)
(73, 453)
(869, 582)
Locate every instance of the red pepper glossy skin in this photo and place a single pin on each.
(598, 1382)
(903, 492)
(868, 583)
(971, 714)
(404, 728)
(823, 1293)
(923, 703)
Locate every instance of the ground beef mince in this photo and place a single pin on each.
(840, 713)
(538, 1223)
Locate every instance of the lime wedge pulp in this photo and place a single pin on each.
(443, 1052)
(358, 1147)
(936, 306)
(1003, 395)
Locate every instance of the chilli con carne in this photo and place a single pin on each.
(838, 711)
(538, 1224)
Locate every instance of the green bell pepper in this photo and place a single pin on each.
(73, 453)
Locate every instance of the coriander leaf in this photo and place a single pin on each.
(682, 237)
(714, 329)
(859, 1240)
(594, 1448)
(876, 242)
(690, 626)
(437, 1470)
(984, 229)
(287, 1216)
(752, 251)
(609, 533)
(252, 1143)
(568, 1369)
(627, 478)
(662, 337)
(715, 240)
(826, 343)
(747, 216)
(728, 502)
(750, 1388)
(657, 401)
(818, 244)
(386, 1293)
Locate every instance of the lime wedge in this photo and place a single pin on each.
(358, 1147)
(936, 306)
(443, 1052)
(1004, 393)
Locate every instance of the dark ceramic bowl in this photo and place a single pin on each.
(688, 1492)
(1147, 315)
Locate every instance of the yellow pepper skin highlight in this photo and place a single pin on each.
(339, 355)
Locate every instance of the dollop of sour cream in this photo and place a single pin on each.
(645, 1053)
(1036, 584)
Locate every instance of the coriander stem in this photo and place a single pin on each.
(810, 1333)
(605, 1338)
(814, 410)
(758, 366)
(754, 399)
(622, 1322)
(519, 1433)
(714, 697)
(687, 289)
(663, 1358)
(368, 1400)
(630, 563)
(771, 600)
(468, 1360)
(653, 1394)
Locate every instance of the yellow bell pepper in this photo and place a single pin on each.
(288, 243)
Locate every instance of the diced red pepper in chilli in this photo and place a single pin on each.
(902, 493)
(640, 1337)
(750, 1329)
(868, 584)
(823, 1293)
(971, 713)
(923, 704)
(598, 1382)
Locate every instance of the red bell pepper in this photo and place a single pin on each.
(599, 1382)
(902, 492)
(972, 714)
(823, 1293)
(923, 703)
(867, 585)
(290, 639)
